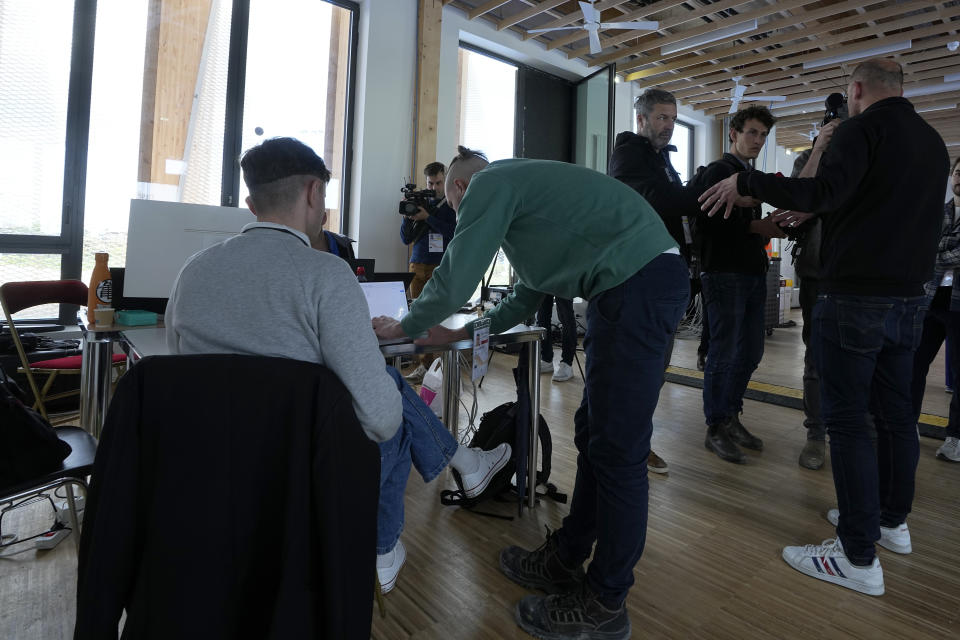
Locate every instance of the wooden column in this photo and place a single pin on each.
(176, 30)
(429, 21)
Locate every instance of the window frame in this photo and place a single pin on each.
(69, 243)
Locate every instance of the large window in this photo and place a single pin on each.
(682, 159)
(488, 90)
(486, 119)
(165, 95)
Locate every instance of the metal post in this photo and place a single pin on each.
(533, 355)
(95, 379)
(451, 391)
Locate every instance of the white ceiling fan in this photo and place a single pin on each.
(592, 25)
(737, 95)
(813, 133)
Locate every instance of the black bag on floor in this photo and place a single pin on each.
(508, 423)
(29, 445)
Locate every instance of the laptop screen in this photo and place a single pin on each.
(385, 299)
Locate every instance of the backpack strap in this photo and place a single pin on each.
(457, 498)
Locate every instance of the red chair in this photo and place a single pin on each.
(17, 296)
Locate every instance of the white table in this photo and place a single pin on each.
(139, 342)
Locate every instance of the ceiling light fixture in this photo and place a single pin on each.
(856, 55)
(795, 103)
(716, 35)
(943, 107)
(929, 91)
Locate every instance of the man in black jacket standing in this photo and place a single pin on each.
(879, 189)
(642, 161)
(734, 264)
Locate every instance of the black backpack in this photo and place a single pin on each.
(497, 426)
(29, 445)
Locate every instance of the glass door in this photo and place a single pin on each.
(593, 120)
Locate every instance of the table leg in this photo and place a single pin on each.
(95, 380)
(451, 392)
(533, 355)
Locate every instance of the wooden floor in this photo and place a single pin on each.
(711, 568)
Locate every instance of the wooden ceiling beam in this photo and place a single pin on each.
(813, 28)
(775, 80)
(724, 73)
(533, 10)
(486, 7)
(573, 16)
(645, 48)
(713, 106)
(801, 47)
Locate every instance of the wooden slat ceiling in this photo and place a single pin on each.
(771, 58)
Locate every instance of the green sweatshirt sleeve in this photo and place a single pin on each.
(484, 215)
(512, 310)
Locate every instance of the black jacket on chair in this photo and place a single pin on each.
(232, 497)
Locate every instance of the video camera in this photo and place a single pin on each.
(836, 107)
(413, 200)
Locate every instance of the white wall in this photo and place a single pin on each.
(383, 127)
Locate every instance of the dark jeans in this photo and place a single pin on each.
(811, 380)
(864, 348)
(628, 328)
(735, 303)
(939, 324)
(568, 325)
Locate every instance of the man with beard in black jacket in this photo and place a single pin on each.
(879, 190)
(642, 161)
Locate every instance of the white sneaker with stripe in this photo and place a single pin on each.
(828, 562)
(896, 539)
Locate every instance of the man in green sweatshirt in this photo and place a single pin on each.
(571, 232)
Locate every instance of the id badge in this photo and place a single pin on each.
(481, 347)
(436, 242)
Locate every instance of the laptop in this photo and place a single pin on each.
(386, 299)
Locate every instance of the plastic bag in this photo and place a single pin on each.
(431, 389)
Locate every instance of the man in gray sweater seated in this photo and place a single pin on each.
(267, 292)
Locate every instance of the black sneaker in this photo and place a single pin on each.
(540, 568)
(720, 443)
(578, 615)
(739, 434)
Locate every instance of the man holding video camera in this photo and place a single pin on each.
(428, 224)
(879, 190)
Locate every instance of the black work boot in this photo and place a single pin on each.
(720, 443)
(578, 615)
(739, 434)
(541, 568)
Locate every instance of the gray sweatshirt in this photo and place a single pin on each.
(267, 292)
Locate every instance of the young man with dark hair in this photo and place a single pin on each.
(942, 322)
(429, 232)
(535, 210)
(734, 267)
(267, 292)
(879, 192)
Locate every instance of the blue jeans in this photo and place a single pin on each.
(864, 348)
(421, 439)
(628, 330)
(734, 304)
